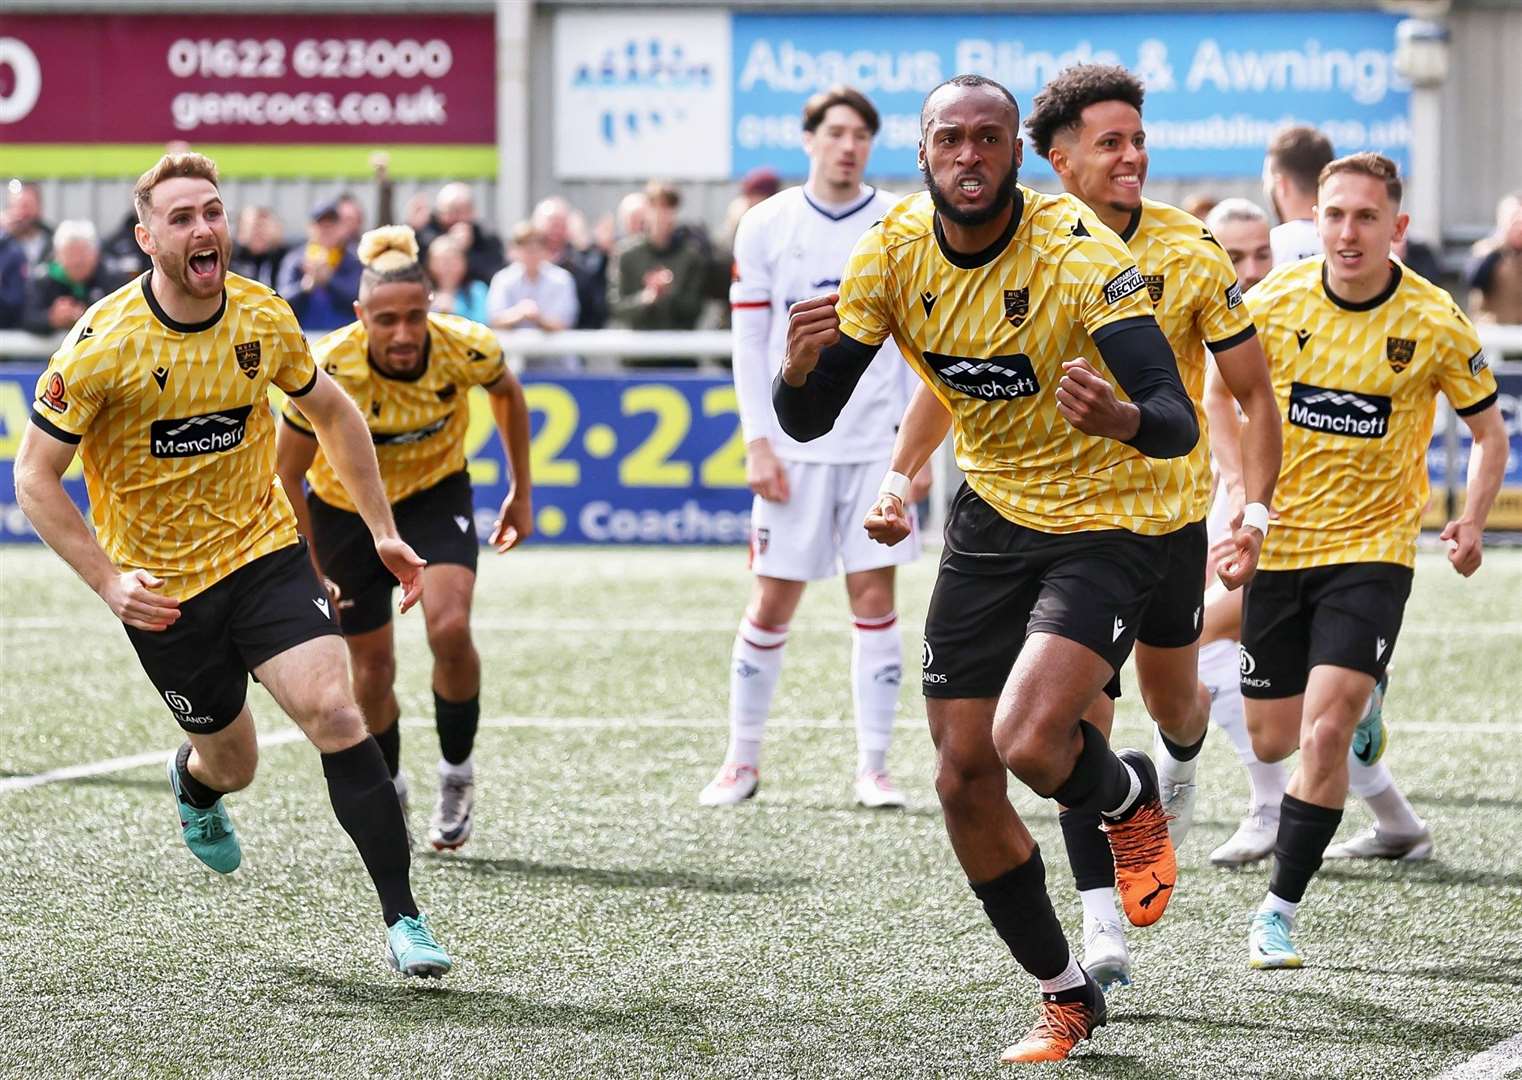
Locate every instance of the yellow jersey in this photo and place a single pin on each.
(1194, 291)
(988, 333)
(175, 428)
(1357, 384)
(417, 421)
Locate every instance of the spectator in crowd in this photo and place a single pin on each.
(657, 281)
(632, 211)
(351, 217)
(260, 245)
(320, 279)
(1199, 204)
(14, 272)
(121, 258)
(23, 221)
(1295, 158)
(1494, 274)
(586, 263)
(1241, 228)
(68, 283)
(418, 212)
(1418, 256)
(756, 187)
(533, 293)
(454, 212)
(453, 292)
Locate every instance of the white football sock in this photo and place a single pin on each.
(755, 664)
(1220, 671)
(1071, 978)
(1099, 904)
(465, 770)
(1393, 813)
(1282, 906)
(877, 669)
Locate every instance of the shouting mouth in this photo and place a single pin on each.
(205, 263)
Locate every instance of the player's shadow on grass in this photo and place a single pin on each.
(1467, 802)
(1429, 872)
(422, 1004)
(608, 878)
(1502, 971)
(1347, 1018)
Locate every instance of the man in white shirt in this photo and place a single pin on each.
(806, 523)
(1295, 158)
(531, 292)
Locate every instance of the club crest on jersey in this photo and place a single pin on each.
(1154, 287)
(1017, 305)
(1123, 285)
(247, 353)
(1399, 352)
(53, 394)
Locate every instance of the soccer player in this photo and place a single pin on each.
(811, 497)
(161, 387)
(1296, 155)
(1087, 122)
(410, 371)
(1359, 347)
(1017, 309)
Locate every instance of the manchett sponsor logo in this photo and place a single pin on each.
(1339, 412)
(191, 436)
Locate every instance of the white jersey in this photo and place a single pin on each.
(1292, 241)
(789, 248)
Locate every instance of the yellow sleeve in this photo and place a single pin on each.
(295, 371)
(864, 291)
(75, 385)
(485, 361)
(1463, 373)
(1100, 281)
(1222, 319)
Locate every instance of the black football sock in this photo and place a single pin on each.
(1304, 832)
(457, 723)
(192, 790)
(390, 743)
(365, 803)
(1088, 850)
(1100, 781)
(1183, 753)
(1017, 904)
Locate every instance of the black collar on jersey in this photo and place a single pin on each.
(1363, 305)
(1131, 226)
(174, 324)
(992, 251)
(841, 215)
(414, 376)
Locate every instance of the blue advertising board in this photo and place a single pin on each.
(1217, 87)
(655, 459)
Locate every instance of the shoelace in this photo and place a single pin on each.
(880, 779)
(416, 932)
(1138, 841)
(1061, 1020)
(208, 826)
(730, 774)
(1099, 929)
(1275, 934)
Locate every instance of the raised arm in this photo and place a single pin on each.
(820, 370)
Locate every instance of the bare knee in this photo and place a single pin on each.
(449, 637)
(964, 784)
(1031, 750)
(334, 725)
(374, 672)
(1270, 743)
(1326, 744)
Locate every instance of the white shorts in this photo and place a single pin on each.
(818, 532)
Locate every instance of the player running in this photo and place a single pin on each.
(811, 497)
(1359, 347)
(1017, 308)
(1087, 122)
(410, 371)
(162, 389)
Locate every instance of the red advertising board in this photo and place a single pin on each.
(228, 79)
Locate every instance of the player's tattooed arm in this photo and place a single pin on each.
(819, 372)
(1139, 356)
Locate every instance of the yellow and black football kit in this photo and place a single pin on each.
(1357, 383)
(1056, 530)
(418, 423)
(1194, 290)
(177, 438)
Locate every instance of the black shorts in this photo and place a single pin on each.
(438, 522)
(999, 582)
(201, 664)
(1292, 620)
(1173, 616)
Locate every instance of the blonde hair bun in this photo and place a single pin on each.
(391, 247)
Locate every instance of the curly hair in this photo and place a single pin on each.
(1060, 104)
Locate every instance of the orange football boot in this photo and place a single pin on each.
(1061, 1026)
(1145, 866)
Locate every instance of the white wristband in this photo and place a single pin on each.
(1255, 516)
(897, 485)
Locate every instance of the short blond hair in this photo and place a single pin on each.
(1374, 166)
(169, 167)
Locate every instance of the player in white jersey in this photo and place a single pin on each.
(811, 497)
(1295, 158)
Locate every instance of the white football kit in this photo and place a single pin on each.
(790, 248)
(1292, 241)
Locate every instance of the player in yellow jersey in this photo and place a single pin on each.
(410, 371)
(1087, 122)
(1359, 347)
(162, 389)
(1017, 309)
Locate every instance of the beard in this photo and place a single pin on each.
(176, 267)
(1003, 198)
